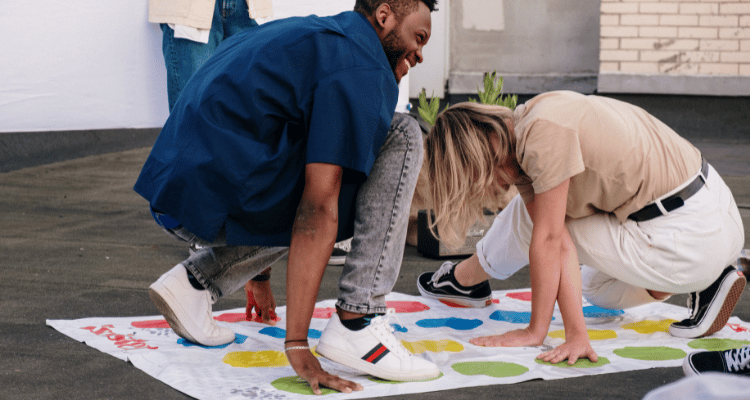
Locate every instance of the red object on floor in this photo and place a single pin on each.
(250, 316)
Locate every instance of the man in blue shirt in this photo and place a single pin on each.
(283, 142)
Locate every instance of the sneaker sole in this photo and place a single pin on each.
(722, 316)
(337, 260)
(727, 308)
(461, 301)
(166, 310)
(372, 369)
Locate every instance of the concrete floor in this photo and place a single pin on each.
(76, 241)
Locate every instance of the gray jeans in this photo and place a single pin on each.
(374, 262)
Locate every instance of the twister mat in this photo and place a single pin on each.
(254, 365)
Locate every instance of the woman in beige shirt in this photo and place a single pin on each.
(602, 183)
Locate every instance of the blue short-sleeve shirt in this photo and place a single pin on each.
(270, 100)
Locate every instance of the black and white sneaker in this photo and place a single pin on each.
(443, 286)
(340, 251)
(734, 361)
(711, 308)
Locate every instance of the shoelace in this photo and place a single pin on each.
(445, 269)
(737, 359)
(390, 340)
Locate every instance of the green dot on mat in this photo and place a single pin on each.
(716, 344)
(581, 363)
(650, 353)
(378, 380)
(495, 369)
(295, 384)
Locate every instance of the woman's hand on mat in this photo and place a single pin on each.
(260, 299)
(572, 350)
(516, 338)
(308, 368)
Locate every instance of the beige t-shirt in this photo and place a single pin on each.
(618, 156)
(198, 13)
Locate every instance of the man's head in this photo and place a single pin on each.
(403, 26)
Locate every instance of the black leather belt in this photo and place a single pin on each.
(674, 201)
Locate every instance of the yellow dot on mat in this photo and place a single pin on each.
(435, 346)
(650, 326)
(256, 359)
(594, 334)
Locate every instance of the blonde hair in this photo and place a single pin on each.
(463, 166)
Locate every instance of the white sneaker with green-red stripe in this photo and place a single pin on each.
(374, 350)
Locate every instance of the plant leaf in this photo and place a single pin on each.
(492, 93)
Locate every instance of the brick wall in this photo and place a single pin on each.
(675, 37)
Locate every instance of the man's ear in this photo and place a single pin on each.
(385, 19)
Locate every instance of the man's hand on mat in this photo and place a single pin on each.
(308, 368)
(516, 338)
(260, 299)
(572, 350)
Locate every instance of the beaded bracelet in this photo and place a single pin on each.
(297, 348)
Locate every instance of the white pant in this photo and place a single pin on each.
(681, 252)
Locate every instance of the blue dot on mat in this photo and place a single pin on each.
(598, 312)
(239, 339)
(514, 317)
(314, 334)
(273, 331)
(279, 333)
(399, 328)
(459, 324)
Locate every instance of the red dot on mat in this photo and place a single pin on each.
(230, 317)
(157, 323)
(407, 306)
(454, 305)
(451, 304)
(323, 313)
(524, 296)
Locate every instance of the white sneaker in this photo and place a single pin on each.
(374, 350)
(187, 310)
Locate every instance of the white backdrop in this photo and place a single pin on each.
(75, 65)
(81, 64)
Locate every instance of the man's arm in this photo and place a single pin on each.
(313, 237)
